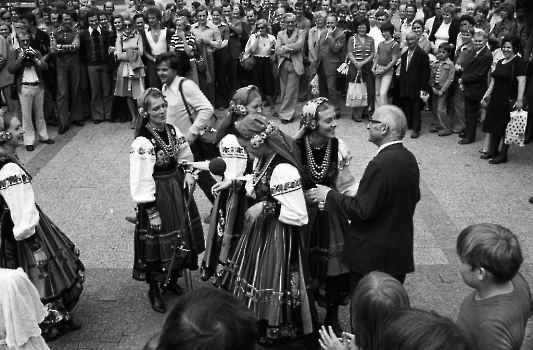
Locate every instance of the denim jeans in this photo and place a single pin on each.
(68, 80)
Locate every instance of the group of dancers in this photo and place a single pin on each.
(274, 250)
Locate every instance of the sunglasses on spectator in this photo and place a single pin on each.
(128, 25)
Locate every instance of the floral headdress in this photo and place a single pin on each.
(143, 113)
(237, 110)
(309, 117)
(256, 128)
(5, 136)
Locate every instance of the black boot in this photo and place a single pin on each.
(332, 319)
(172, 287)
(155, 298)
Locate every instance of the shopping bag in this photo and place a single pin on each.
(516, 129)
(314, 85)
(356, 96)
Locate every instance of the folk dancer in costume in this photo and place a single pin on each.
(326, 161)
(157, 186)
(231, 203)
(30, 240)
(269, 270)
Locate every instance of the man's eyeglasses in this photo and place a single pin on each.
(374, 121)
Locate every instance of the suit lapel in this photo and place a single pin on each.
(412, 57)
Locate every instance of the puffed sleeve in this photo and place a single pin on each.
(234, 155)
(286, 188)
(183, 148)
(142, 161)
(345, 182)
(17, 191)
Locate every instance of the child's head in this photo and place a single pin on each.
(491, 247)
(445, 51)
(376, 297)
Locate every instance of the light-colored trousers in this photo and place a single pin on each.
(32, 99)
(382, 87)
(289, 81)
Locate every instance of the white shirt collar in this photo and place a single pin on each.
(97, 29)
(383, 146)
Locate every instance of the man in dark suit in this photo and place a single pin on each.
(381, 212)
(474, 83)
(329, 52)
(414, 80)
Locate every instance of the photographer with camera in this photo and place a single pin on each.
(27, 65)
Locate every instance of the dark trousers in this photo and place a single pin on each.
(234, 75)
(412, 107)
(222, 59)
(472, 115)
(68, 81)
(355, 278)
(205, 180)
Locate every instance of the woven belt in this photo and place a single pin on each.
(36, 83)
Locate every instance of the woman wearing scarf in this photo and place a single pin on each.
(269, 270)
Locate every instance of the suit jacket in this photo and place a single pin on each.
(234, 44)
(415, 77)
(475, 74)
(330, 51)
(381, 214)
(17, 65)
(296, 42)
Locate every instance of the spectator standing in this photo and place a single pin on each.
(414, 81)
(94, 48)
(303, 24)
(462, 57)
(6, 78)
(235, 48)
(289, 45)
(506, 26)
(65, 43)
(184, 41)
(442, 73)
(387, 55)
(221, 57)
(157, 41)
(474, 84)
(480, 15)
(381, 212)
(27, 65)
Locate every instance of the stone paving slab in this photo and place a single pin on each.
(82, 183)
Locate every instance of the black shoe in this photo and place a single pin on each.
(498, 160)
(466, 141)
(531, 200)
(52, 123)
(30, 148)
(63, 129)
(172, 287)
(48, 142)
(284, 121)
(463, 135)
(78, 122)
(154, 295)
(415, 134)
(433, 130)
(131, 219)
(73, 325)
(97, 121)
(488, 155)
(338, 115)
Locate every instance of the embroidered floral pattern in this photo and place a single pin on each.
(14, 180)
(233, 152)
(141, 150)
(271, 208)
(286, 187)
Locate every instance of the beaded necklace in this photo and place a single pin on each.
(258, 172)
(318, 173)
(168, 149)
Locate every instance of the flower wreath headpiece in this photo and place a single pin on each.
(140, 101)
(5, 136)
(259, 139)
(237, 110)
(309, 117)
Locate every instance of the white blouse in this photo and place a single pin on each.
(235, 157)
(286, 188)
(442, 34)
(142, 161)
(17, 191)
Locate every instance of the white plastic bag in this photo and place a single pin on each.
(516, 129)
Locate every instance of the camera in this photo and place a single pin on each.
(29, 52)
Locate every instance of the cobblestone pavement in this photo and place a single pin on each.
(81, 182)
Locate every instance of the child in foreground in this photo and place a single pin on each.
(495, 315)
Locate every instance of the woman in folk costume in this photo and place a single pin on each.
(269, 271)
(21, 311)
(326, 161)
(231, 203)
(30, 240)
(157, 185)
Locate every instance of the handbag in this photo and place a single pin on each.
(356, 96)
(207, 134)
(516, 129)
(247, 62)
(314, 85)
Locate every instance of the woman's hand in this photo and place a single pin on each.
(155, 223)
(254, 211)
(518, 105)
(189, 180)
(329, 341)
(219, 186)
(40, 257)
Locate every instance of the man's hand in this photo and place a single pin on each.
(190, 137)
